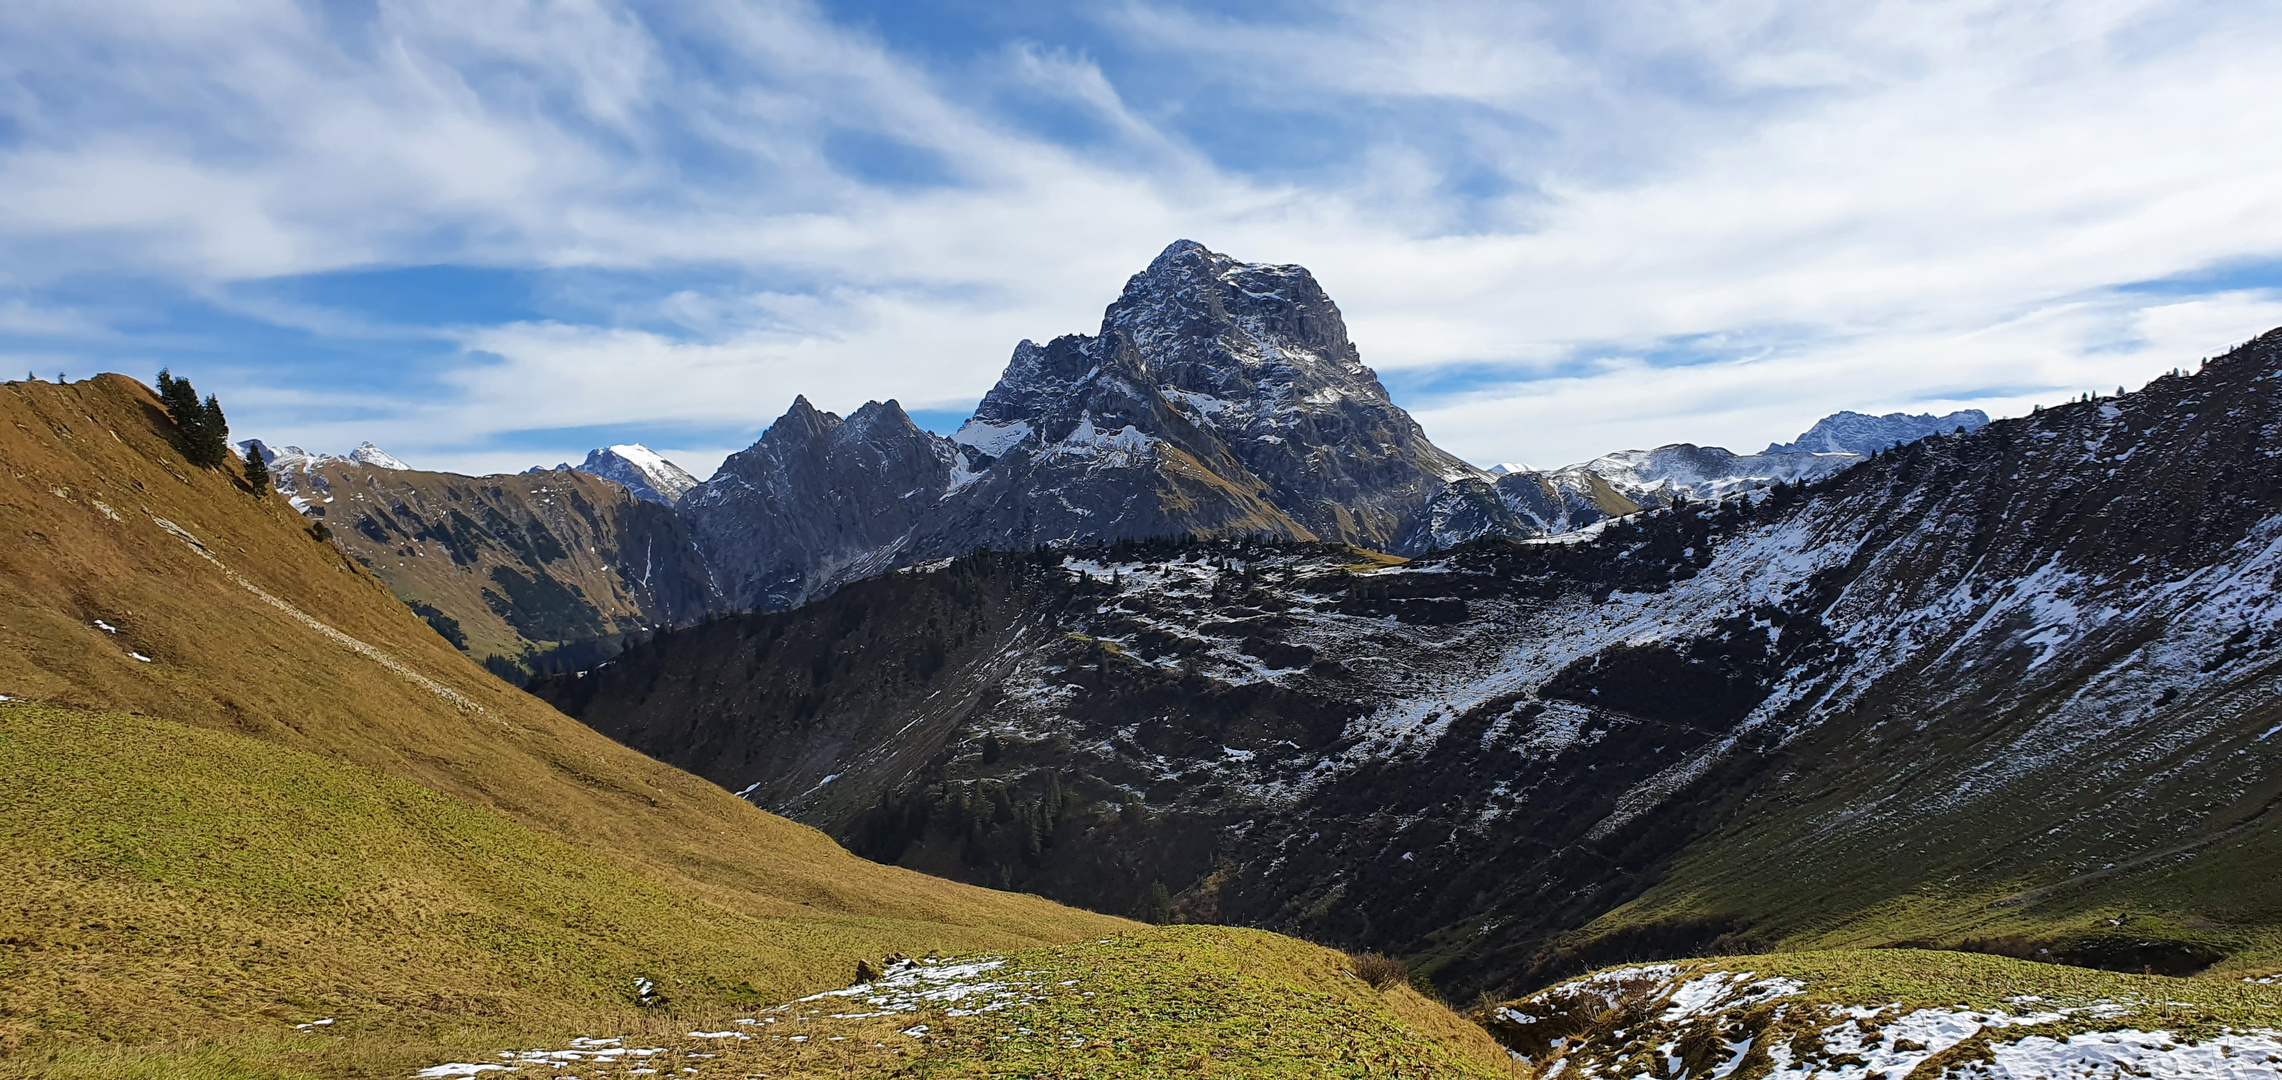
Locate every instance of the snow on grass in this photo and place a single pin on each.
(1152, 1005)
(1700, 1020)
(911, 985)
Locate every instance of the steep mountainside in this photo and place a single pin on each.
(2013, 689)
(540, 570)
(1219, 398)
(255, 791)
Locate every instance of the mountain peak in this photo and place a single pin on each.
(368, 454)
(1175, 250)
(643, 472)
(1851, 432)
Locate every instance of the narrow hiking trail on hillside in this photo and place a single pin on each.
(312, 622)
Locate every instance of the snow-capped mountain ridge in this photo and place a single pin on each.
(1850, 432)
(640, 470)
(294, 470)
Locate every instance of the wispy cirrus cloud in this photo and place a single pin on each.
(478, 233)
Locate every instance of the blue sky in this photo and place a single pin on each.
(493, 235)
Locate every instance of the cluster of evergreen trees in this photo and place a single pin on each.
(205, 432)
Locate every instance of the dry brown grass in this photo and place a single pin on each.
(89, 470)
(1378, 969)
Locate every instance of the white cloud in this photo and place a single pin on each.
(1903, 201)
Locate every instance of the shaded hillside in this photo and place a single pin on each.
(209, 673)
(2009, 690)
(537, 570)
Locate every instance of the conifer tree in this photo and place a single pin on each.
(213, 435)
(181, 401)
(205, 431)
(257, 472)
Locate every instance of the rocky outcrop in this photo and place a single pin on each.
(822, 500)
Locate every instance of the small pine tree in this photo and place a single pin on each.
(213, 434)
(257, 472)
(1157, 907)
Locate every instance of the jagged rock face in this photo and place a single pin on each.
(537, 571)
(819, 501)
(1253, 365)
(1860, 433)
(640, 470)
(1219, 398)
(2008, 682)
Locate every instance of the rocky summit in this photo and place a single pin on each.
(1219, 398)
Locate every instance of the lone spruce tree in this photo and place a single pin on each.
(257, 472)
(213, 435)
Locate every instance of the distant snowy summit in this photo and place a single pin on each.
(294, 470)
(1861, 433)
(281, 458)
(1574, 496)
(640, 470)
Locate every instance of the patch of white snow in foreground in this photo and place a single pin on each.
(912, 985)
(461, 1068)
(2159, 1055)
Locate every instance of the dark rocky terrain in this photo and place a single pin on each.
(2012, 690)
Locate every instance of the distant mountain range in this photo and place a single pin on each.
(1218, 398)
(1585, 674)
(2008, 690)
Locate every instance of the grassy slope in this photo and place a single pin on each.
(776, 903)
(152, 887)
(1179, 1001)
(263, 826)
